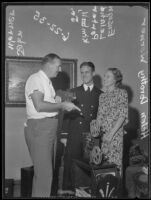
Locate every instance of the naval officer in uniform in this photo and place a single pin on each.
(87, 99)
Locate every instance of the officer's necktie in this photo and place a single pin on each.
(88, 90)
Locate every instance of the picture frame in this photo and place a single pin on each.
(18, 69)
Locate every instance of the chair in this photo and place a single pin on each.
(108, 187)
(93, 171)
(89, 177)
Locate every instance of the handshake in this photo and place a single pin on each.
(66, 105)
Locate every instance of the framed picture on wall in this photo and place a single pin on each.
(18, 69)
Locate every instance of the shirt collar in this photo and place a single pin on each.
(86, 87)
(44, 75)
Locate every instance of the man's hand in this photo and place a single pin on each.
(58, 99)
(69, 106)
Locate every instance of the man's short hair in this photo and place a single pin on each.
(49, 58)
(89, 64)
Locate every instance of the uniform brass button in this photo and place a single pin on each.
(81, 114)
(80, 122)
(92, 106)
(81, 105)
(91, 115)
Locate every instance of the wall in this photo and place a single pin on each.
(121, 50)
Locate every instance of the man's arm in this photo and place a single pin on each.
(43, 106)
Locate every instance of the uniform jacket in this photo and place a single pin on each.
(88, 102)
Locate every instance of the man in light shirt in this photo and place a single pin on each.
(42, 108)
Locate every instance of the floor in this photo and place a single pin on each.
(17, 190)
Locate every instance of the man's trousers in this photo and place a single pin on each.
(40, 135)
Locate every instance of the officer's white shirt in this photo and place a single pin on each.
(39, 81)
(86, 87)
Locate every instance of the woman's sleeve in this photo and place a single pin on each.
(123, 105)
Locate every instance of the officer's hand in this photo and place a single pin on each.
(90, 145)
(68, 106)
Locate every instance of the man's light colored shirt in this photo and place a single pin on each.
(86, 87)
(39, 81)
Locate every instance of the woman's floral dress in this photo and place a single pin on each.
(112, 106)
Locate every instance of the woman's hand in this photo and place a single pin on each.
(108, 138)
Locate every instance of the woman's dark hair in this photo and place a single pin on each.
(49, 58)
(117, 75)
(90, 64)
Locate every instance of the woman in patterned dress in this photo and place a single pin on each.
(112, 116)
